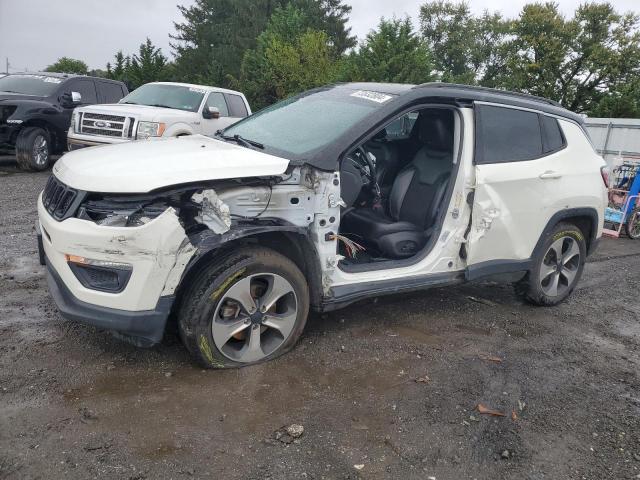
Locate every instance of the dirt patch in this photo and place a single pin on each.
(383, 391)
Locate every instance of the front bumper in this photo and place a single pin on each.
(157, 252)
(146, 327)
(76, 141)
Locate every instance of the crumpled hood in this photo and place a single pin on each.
(142, 112)
(146, 165)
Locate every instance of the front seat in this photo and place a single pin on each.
(416, 195)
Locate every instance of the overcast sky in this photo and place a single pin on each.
(34, 33)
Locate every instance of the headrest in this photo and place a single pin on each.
(435, 129)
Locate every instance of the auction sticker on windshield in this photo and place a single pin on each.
(373, 96)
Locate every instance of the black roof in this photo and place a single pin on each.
(49, 74)
(470, 93)
(65, 76)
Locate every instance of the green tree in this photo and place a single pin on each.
(148, 65)
(621, 102)
(68, 65)
(392, 53)
(577, 62)
(466, 49)
(289, 58)
(216, 33)
(331, 17)
(117, 71)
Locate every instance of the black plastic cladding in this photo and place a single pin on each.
(60, 200)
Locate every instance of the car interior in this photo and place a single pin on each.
(394, 187)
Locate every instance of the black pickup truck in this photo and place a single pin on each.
(36, 111)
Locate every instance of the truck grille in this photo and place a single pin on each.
(106, 125)
(58, 199)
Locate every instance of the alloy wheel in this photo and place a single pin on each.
(255, 317)
(560, 266)
(40, 151)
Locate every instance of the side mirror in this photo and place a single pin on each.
(211, 112)
(71, 99)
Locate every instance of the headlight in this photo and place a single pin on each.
(74, 121)
(150, 129)
(113, 212)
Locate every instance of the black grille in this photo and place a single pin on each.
(58, 199)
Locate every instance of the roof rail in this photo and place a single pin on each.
(495, 91)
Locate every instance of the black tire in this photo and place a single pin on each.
(537, 287)
(31, 153)
(632, 227)
(205, 297)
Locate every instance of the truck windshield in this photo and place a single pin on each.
(167, 96)
(36, 85)
(300, 125)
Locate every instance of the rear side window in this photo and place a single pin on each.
(551, 134)
(237, 108)
(86, 89)
(216, 99)
(506, 135)
(110, 92)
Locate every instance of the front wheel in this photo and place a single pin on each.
(248, 308)
(557, 268)
(33, 149)
(632, 227)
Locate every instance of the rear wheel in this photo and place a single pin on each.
(250, 307)
(632, 227)
(33, 149)
(557, 268)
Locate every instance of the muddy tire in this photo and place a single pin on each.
(632, 227)
(557, 267)
(246, 308)
(33, 149)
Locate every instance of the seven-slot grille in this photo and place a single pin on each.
(106, 125)
(57, 198)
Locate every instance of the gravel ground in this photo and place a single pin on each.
(383, 391)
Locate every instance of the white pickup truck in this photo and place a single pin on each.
(159, 109)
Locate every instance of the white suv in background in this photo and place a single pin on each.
(340, 194)
(159, 109)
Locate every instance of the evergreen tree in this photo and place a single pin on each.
(392, 53)
(215, 34)
(289, 57)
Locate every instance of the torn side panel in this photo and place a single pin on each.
(214, 213)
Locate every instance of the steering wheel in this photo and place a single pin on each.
(367, 168)
(369, 172)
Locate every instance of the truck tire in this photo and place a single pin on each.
(33, 149)
(247, 308)
(557, 267)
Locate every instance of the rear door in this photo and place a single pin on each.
(109, 92)
(522, 171)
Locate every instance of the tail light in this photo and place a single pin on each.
(604, 171)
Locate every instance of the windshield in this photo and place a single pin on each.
(300, 125)
(36, 85)
(168, 96)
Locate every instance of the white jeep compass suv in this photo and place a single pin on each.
(338, 194)
(159, 109)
